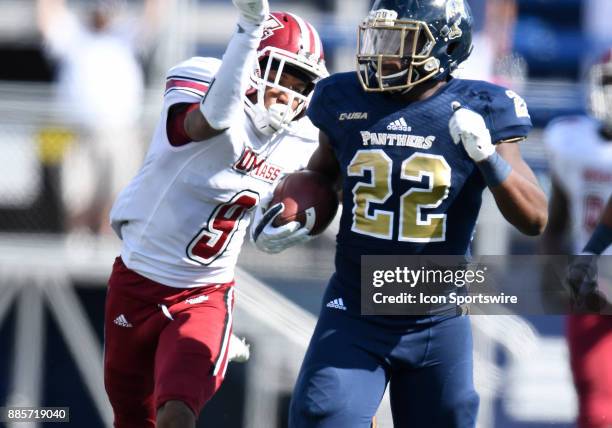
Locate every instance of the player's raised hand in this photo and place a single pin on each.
(469, 128)
(253, 11)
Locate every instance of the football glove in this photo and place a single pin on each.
(274, 239)
(239, 350)
(253, 12)
(582, 280)
(469, 128)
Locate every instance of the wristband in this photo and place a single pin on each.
(600, 240)
(494, 169)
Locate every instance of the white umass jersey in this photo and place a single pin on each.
(184, 217)
(582, 163)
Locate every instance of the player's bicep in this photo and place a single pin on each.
(324, 160)
(198, 128)
(186, 124)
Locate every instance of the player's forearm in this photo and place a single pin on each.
(515, 188)
(224, 100)
(522, 203)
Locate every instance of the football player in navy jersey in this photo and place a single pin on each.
(413, 149)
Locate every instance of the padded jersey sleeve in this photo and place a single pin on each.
(189, 81)
(186, 84)
(505, 113)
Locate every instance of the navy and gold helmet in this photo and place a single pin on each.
(403, 43)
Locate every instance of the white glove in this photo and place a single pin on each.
(469, 128)
(272, 239)
(239, 350)
(253, 11)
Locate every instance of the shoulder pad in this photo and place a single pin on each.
(504, 111)
(192, 76)
(329, 95)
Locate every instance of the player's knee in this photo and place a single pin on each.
(175, 414)
(461, 412)
(317, 396)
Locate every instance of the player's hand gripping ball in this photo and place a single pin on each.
(253, 11)
(469, 128)
(302, 206)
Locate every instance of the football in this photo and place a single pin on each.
(308, 196)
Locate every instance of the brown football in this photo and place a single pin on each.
(307, 195)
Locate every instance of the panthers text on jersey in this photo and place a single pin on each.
(581, 161)
(183, 217)
(407, 188)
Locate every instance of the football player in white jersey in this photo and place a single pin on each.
(581, 162)
(228, 131)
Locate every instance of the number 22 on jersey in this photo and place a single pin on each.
(413, 226)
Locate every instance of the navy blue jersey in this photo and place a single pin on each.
(407, 188)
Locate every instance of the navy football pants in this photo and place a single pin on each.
(351, 359)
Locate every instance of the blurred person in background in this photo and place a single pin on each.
(99, 96)
(493, 32)
(581, 163)
(596, 17)
(228, 132)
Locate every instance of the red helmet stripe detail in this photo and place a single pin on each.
(317, 46)
(305, 37)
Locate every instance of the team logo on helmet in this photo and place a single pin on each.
(454, 9)
(271, 25)
(383, 15)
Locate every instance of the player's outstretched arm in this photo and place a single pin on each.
(513, 184)
(223, 103)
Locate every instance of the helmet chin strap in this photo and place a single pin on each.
(270, 121)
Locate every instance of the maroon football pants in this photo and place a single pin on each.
(163, 343)
(590, 345)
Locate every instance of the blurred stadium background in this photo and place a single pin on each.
(52, 277)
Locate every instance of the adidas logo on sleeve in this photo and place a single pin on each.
(399, 125)
(337, 304)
